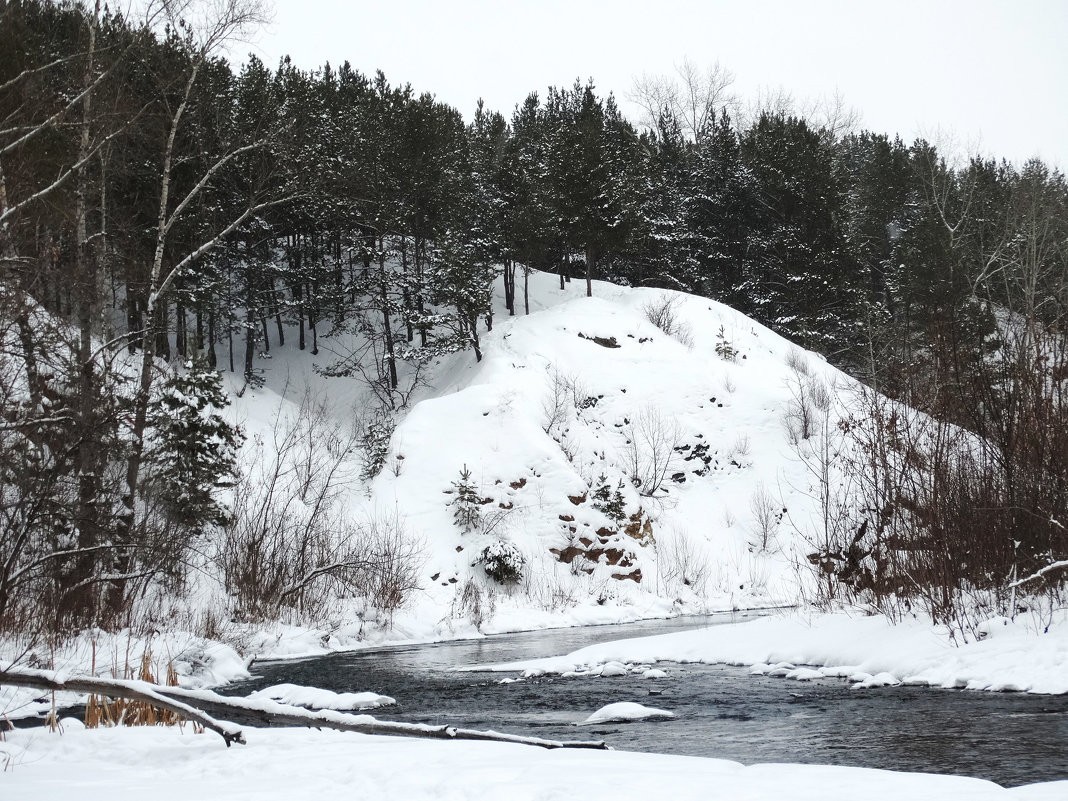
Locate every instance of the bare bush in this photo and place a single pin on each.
(820, 443)
(920, 514)
(797, 363)
(649, 451)
(663, 313)
(809, 405)
(473, 603)
(767, 514)
(681, 563)
(557, 402)
(742, 448)
(291, 543)
(549, 585)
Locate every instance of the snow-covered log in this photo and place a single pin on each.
(263, 712)
(119, 688)
(202, 705)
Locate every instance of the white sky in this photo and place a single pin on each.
(992, 74)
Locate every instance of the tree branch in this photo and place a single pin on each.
(210, 244)
(1040, 573)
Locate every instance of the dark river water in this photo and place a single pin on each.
(720, 711)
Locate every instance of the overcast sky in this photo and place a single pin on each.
(991, 73)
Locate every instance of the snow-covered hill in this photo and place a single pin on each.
(567, 407)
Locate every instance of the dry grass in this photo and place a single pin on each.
(101, 711)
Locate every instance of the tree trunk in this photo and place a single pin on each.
(407, 293)
(250, 342)
(591, 257)
(180, 345)
(420, 260)
(473, 334)
(391, 359)
(141, 691)
(509, 286)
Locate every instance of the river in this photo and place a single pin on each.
(720, 711)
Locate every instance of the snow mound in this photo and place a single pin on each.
(624, 711)
(883, 679)
(315, 698)
(804, 674)
(613, 669)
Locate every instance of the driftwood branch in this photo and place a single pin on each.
(203, 705)
(119, 688)
(265, 713)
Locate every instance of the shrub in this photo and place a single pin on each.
(663, 313)
(502, 562)
(375, 433)
(291, 543)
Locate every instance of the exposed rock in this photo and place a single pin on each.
(604, 342)
(568, 554)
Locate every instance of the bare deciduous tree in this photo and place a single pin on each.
(691, 96)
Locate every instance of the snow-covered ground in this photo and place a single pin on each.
(163, 764)
(867, 651)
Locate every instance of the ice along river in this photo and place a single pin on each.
(721, 711)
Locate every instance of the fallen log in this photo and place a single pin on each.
(203, 705)
(263, 712)
(142, 691)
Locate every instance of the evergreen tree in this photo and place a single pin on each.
(721, 213)
(194, 449)
(798, 276)
(467, 507)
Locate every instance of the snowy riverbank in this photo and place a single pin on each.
(869, 651)
(118, 764)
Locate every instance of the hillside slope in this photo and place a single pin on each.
(583, 395)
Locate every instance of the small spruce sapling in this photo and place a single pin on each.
(724, 349)
(610, 502)
(467, 509)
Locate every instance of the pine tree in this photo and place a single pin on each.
(799, 275)
(721, 214)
